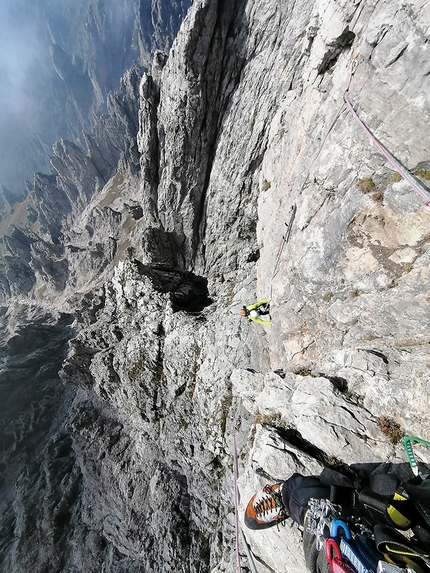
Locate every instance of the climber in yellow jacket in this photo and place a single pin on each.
(254, 311)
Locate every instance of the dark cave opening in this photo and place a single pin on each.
(188, 292)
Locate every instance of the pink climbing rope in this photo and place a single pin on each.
(236, 500)
(397, 166)
(251, 563)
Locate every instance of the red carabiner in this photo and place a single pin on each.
(331, 545)
(337, 565)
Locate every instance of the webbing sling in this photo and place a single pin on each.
(390, 542)
(347, 547)
(336, 562)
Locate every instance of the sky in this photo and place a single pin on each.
(35, 106)
(24, 62)
(21, 47)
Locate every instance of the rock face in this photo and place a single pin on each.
(162, 230)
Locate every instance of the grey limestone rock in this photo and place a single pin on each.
(209, 150)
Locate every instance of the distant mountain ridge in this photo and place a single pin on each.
(79, 51)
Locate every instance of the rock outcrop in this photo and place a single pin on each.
(154, 249)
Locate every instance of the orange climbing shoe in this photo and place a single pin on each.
(265, 508)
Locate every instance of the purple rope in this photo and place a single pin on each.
(407, 176)
(236, 500)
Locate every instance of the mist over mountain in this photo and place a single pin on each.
(58, 62)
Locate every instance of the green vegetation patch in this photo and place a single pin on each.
(394, 177)
(366, 185)
(423, 173)
(390, 428)
(274, 420)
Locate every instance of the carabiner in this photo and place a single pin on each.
(337, 524)
(331, 546)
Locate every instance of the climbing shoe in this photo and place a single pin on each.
(265, 508)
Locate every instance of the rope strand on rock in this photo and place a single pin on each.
(236, 500)
(238, 529)
(409, 177)
(413, 181)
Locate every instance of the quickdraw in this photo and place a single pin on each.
(285, 238)
(336, 562)
(407, 443)
(319, 516)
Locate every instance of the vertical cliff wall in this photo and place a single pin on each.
(243, 119)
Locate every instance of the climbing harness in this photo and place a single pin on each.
(391, 543)
(407, 443)
(413, 181)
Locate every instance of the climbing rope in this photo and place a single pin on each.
(413, 181)
(422, 191)
(236, 500)
(238, 529)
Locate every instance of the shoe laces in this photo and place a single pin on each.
(273, 501)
